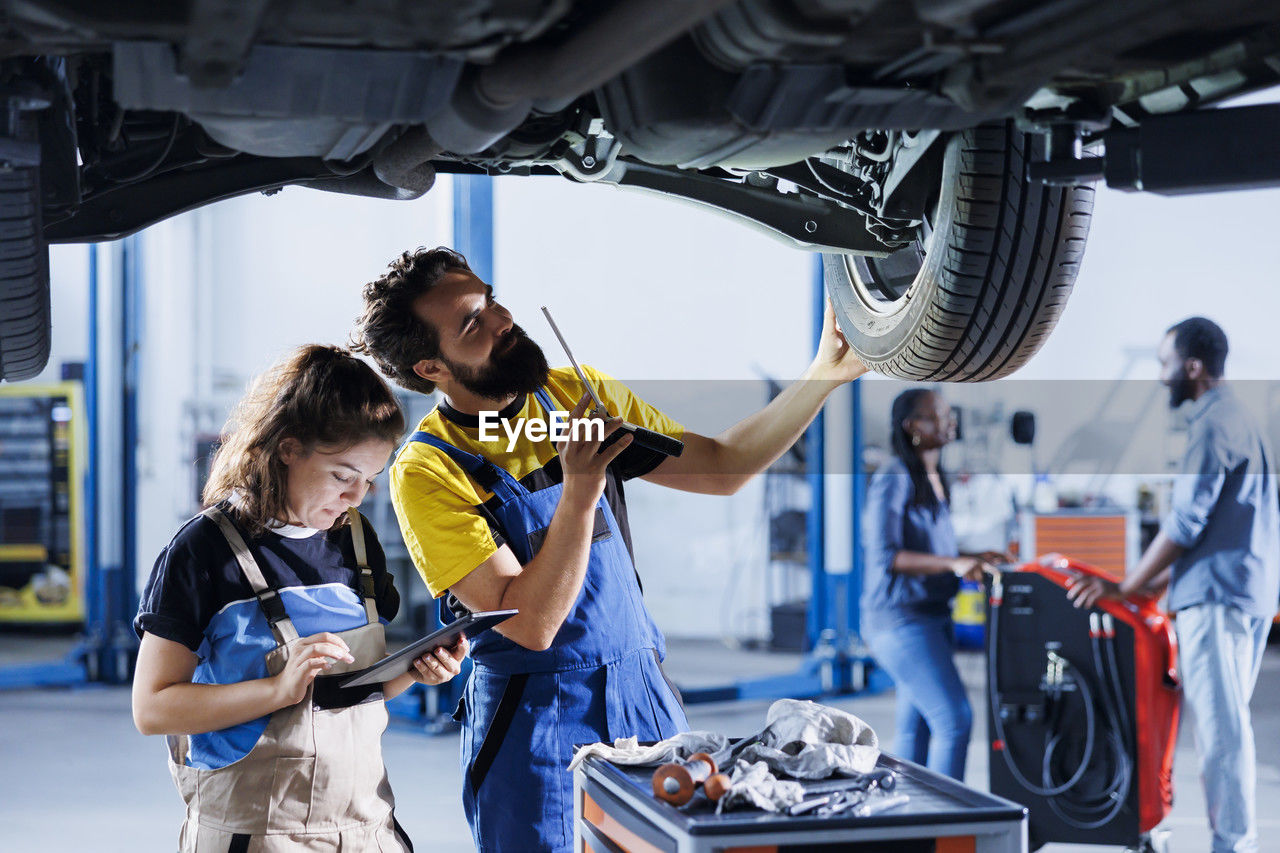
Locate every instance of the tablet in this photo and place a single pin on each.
(402, 661)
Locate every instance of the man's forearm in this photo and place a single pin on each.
(1158, 584)
(1151, 574)
(545, 590)
(723, 464)
(756, 442)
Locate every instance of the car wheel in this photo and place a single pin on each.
(978, 291)
(24, 277)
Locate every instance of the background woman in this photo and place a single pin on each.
(259, 605)
(912, 571)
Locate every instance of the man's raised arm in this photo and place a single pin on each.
(723, 464)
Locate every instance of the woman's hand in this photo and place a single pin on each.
(972, 568)
(308, 657)
(440, 665)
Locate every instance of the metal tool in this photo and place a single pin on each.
(880, 777)
(805, 806)
(857, 791)
(599, 409)
(646, 438)
(882, 804)
(843, 803)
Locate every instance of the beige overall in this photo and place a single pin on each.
(315, 780)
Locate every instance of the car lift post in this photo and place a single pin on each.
(105, 652)
(432, 707)
(837, 663)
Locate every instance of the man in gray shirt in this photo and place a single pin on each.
(1218, 552)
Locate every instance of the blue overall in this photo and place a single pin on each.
(523, 711)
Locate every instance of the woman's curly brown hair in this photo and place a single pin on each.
(389, 331)
(322, 396)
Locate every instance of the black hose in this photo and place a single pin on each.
(1092, 811)
(1125, 723)
(1108, 698)
(1085, 811)
(1122, 780)
(994, 699)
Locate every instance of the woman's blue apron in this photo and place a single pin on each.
(523, 711)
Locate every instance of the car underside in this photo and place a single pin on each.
(940, 153)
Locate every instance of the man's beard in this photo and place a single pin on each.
(520, 368)
(1180, 389)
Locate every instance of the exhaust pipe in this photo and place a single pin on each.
(491, 102)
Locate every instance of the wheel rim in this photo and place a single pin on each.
(883, 285)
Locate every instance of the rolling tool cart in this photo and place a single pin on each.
(615, 810)
(1083, 712)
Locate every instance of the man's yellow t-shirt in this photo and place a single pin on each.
(442, 511)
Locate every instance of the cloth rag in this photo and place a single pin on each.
(805, 740)
(627, 750)
(752, 784)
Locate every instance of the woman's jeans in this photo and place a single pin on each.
(1219, 654)
(933, 715)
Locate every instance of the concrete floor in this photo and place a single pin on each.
(78, 777)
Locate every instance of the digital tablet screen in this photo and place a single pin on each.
(402, 661)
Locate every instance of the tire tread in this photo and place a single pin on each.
(24, 278)
(1010, 262)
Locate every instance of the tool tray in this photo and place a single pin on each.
(935, 799)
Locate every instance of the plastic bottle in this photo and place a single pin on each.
(1044, 497)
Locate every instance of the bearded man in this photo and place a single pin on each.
(1218, 554)
(542, 527)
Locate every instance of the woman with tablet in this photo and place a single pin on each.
(260, 606)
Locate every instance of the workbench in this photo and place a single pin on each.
(615, 810)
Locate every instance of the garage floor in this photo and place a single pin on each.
(77, 776)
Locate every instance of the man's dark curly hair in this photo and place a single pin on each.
(1198, 337)
(389, 331)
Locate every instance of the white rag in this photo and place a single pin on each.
(754, 785)
(805, 740)
(627, 750)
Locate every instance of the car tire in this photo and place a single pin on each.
(24, 277)
(975, 296)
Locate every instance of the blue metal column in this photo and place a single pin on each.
(473, 222)
(92, 397)
(110, 645)
(853, 589)
(816, 522)
(473, 237)
(121, 641)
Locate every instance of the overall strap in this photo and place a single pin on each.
(545, 399)
(484, 472)
(367, 591)
(268, 599)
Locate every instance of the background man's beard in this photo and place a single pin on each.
(1179, 390)
(520, 369)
